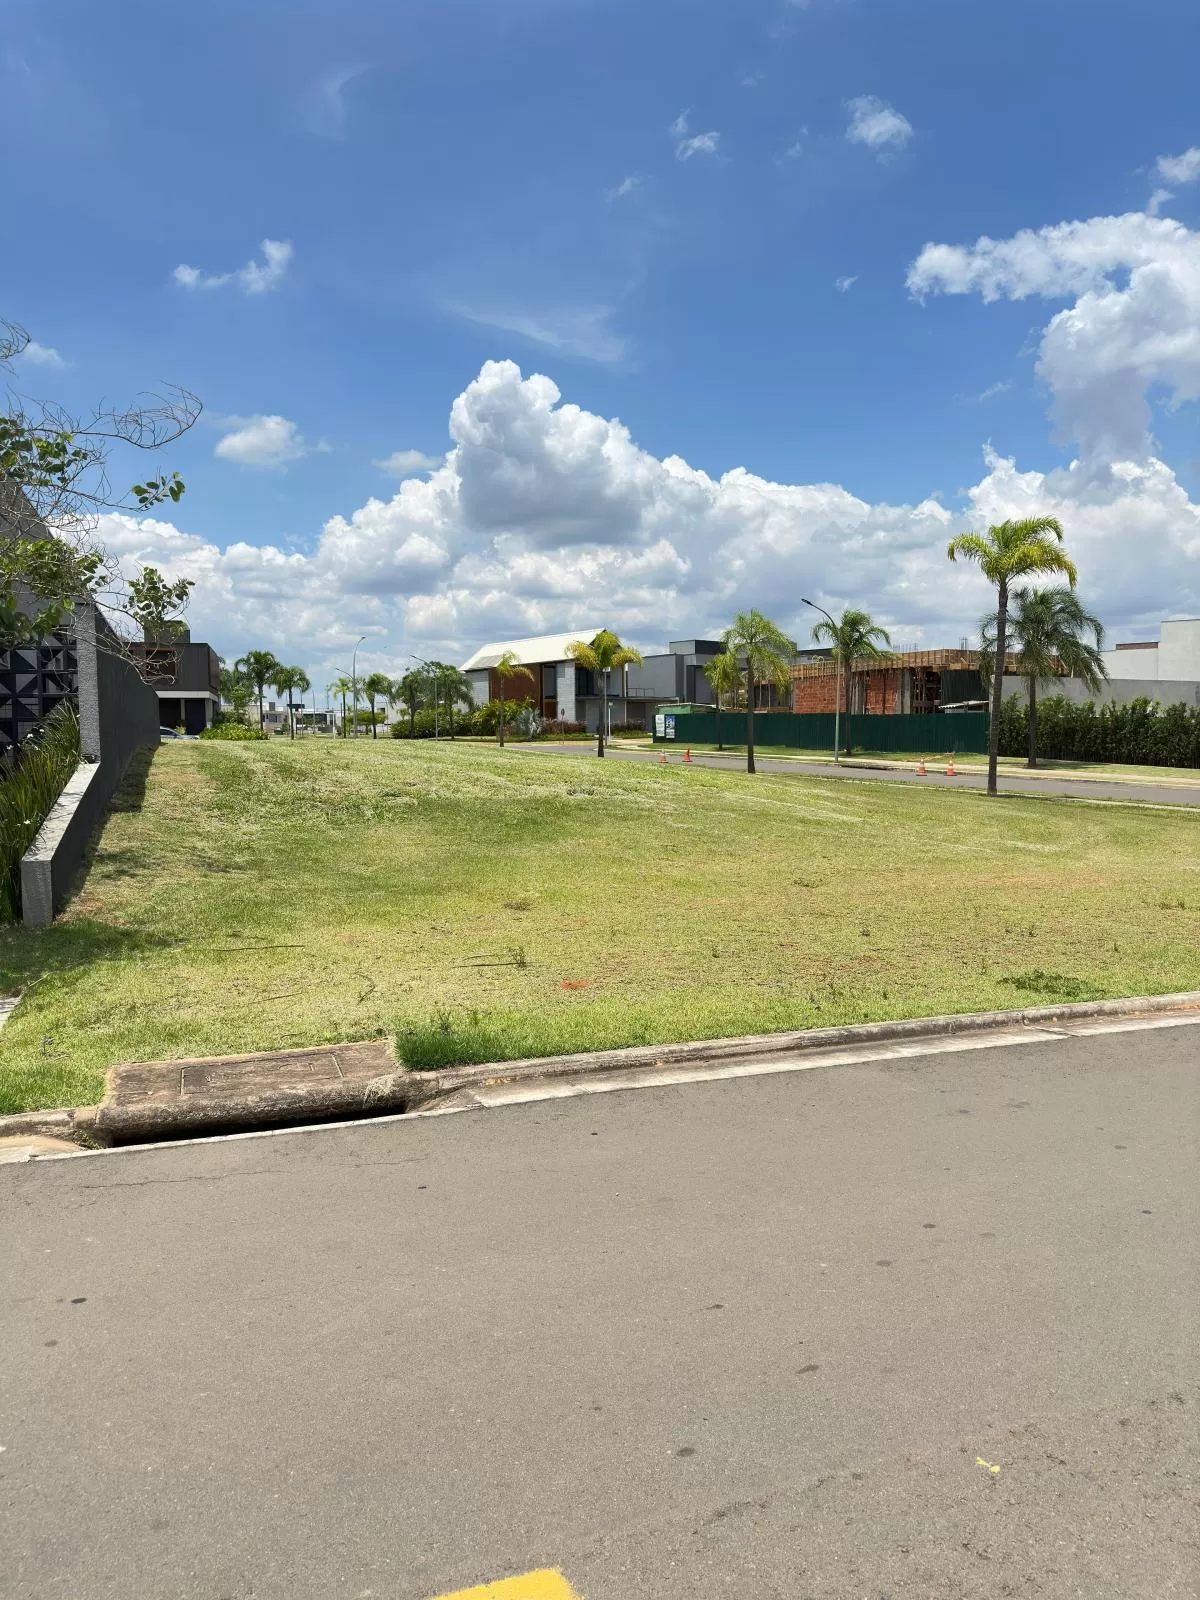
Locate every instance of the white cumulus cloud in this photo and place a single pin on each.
(402, 463)
(1133, 325)
(254, 278)
(261, 442)
(41, 355)
(1180, 169)
(697, 144)
(876, 124)
(544, 515)
(844, 285)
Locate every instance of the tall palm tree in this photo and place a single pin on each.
(455, 689)
(260, 666)
(855, 636)
(409, 691)
(289, 681)
(724, 674)
(1006, 551)
(376, 687)
(341, 687)
(768, 654)
(1047, 628)
(506, 669)
(605, 654)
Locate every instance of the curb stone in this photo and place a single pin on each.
(404, 1091)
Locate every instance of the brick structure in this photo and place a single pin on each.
(913, 681)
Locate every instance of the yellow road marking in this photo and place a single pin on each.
(543, 1585)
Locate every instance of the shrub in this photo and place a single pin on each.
(1142, 732)
(563, 728)
(232, 730)
(32, 776)
(627, 728)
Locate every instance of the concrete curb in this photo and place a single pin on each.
(404, 1091)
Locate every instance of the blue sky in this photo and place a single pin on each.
(652, 205)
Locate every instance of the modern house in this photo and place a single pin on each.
(569, 692)
(1166, 669)
(186, 677)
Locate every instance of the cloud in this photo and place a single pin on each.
(543, 511)
(1133, 325)
(877, 125)
(698, 144)
(1180, 169)
(629, 185)
(262, 442)
(41, 355)
(992, 390)
(403, 463)
(253, 278)
(581, 331)
(326, 111)
(844, 285)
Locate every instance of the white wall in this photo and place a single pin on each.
(1141, 664)
(564, 690)
(1179, 649)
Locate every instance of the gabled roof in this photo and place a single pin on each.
(545, 648)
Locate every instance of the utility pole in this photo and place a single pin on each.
(354, 684)
(837, 698)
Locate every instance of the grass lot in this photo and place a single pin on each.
(1014, 766)
(482, 904)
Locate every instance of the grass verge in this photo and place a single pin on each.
(488, 905)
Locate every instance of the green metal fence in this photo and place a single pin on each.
(939, 733)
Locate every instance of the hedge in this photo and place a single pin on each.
(32, 777)
(1143, 732)
(232, 730)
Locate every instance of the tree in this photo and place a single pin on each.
(768, 654)
(53, 485)
(605, 654)
(1047, 627)
(1006, 551)
(378, 686)
(236, 689)
(341, 687)
(506, 669)
(259, 667)
(454, 688)
(724, 674)
(289, 681)
(409, 691)
(856, 636)
(157, 606)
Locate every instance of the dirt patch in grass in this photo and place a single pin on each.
(260, 896)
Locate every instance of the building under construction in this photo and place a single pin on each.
(907, 683)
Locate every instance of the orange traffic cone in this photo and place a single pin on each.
(687, 755)
(950, 767)
(662, 756)
(921, 768)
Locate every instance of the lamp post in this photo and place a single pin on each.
(837, 698)
(354, 683)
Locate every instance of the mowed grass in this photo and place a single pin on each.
(484, 905)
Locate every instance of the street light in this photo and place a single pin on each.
(354, 684)
(837, 698)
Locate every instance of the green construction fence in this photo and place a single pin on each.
(936, 733)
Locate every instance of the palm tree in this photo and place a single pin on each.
(289, 681)
(455, 689)
(724, 674)
(768, 654)
(1047, 626)
(260, 666)
(507, 668)
(602, 656)
(855, 637)
(409, 691)
(236, 690)
(341, 687)
(1006, 551)
(377, 687)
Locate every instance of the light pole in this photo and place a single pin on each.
(837, 698)
(354, 684)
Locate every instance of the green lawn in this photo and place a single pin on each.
(485, 904)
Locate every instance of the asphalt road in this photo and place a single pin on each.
(1162, 794)
(764, 1339)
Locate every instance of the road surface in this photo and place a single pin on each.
(1147, 793)
(916, 1329)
